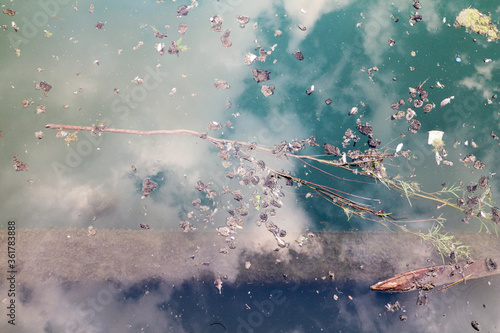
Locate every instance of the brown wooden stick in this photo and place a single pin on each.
(136, 132)
(126, 131)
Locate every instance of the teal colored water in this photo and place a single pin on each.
(92, 72)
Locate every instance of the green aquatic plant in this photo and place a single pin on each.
(475, 21)
(445, 244)
(438, 145)
(180, 47)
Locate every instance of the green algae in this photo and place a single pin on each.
(475, 21)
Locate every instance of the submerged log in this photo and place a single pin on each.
(428, 278)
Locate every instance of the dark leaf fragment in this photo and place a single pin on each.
(148, 186)
(298, 55)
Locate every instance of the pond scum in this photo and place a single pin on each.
(368, 163)
(475, 21)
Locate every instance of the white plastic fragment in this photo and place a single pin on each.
(249, 58)
(433, 135)
(399, 147)
(438, 158)
(446, 101)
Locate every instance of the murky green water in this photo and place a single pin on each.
(91, 182)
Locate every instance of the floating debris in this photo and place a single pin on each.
(91, 9)
(353, 111)
(373, 143)
(99, 25)
(398, 115)
(310, 90)
(214, 126)
(415, 125)
(365, 129)
(260, 75)
(328, 101)
(160, 48)
(225, 39)
(173, 49)
(159, 34)
(429, 107)
(278, 33)
(391, 42)
(148, 186)
(249, 58)
(182, 28)
(475, 21)
(415, 18)
(371, 71)
(91, 231)
(39, 135)
(446, 101)
(27, 102)
(263, 55)
(302, 27)
(219, 84)
(216, 23)
(8, 11)
(18, 165)
(267, 90)
(186, 226)
(475, 325)
(45, 87)
(331, 150)
(218, 284)
(298, 55)
(410, 113)
(495, 215)
(242, 20)
(184, 10)
(478, 165)
(144, 226)
(435, 138)
(137, 81)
